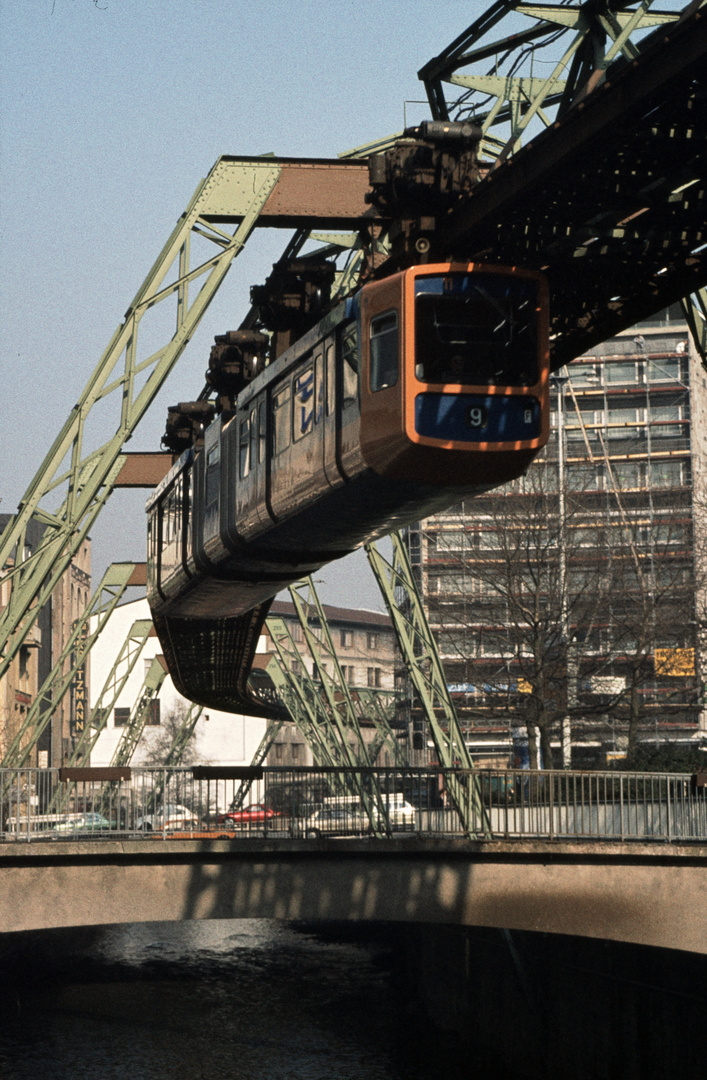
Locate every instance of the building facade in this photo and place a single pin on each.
(37, 656)
(572, 602)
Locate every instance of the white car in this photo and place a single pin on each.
(337, 820)
(400, 814)
(169, 818)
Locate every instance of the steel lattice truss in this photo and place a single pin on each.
(608, 200)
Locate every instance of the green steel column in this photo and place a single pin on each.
(426, 672)
(88, 479)
(75, 652)
(135, 726)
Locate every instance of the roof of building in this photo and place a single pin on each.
(356, 616)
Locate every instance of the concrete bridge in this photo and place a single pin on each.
(644, 893)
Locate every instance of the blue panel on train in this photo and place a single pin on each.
(477, 417)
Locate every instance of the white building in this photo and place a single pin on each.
(221, 738)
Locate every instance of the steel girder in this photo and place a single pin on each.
(352, 706)
(98, 717)
(105, 599)
(237, 192)
(399, 589)
(132, 732)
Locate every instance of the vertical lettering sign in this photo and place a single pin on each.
(77, 719)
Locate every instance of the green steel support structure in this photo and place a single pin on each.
(74, 654)
(135, 726)
(100, 713)
(402, 598)
(81, 480)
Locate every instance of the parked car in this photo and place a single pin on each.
(82, 823)
(168, 817)
(399, 812)
(337, 820)
(247, 816)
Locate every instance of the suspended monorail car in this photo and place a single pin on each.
(424, 388)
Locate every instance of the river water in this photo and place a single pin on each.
(241, 1000)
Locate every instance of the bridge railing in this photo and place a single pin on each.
(312, 803)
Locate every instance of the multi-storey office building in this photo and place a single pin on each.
(573, 599)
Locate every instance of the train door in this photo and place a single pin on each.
(332, 470)
(349, 407)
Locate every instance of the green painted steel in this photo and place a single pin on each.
(399, 589)
(74, 654)
(237, 192)
(529, 82)
(117, 678)
(300, 696)
(131, 734)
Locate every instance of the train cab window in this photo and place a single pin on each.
(281, 418)
(303, 402)
(262, 430)
(384, 349)
(351, 366)
(476, 329)
(244, 449)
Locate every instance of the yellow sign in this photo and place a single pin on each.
(675, 662)
(524, 687)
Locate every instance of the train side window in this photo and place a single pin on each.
(330, 379)
(244, 454)
(262, 430)
(351, 365)
(253, 437)
(303, 403)
(318, 388)
(384, 349)
(212, 474)
(281, 418)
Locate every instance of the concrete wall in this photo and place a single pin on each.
(647, 894)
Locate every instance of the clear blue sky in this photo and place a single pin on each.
(110, 114)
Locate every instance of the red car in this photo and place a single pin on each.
(255, 814)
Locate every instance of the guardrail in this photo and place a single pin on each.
(54, 804)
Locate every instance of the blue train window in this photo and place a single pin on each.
(303, 403)
(384, 348)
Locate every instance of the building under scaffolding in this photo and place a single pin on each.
(574, 598)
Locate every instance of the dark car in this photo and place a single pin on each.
(255, 814)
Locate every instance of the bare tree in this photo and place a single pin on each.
(172, 744)
(562, 607)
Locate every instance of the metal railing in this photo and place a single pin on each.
(327, 802)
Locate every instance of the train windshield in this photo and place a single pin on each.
(476, 329)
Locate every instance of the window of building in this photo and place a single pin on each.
(346, 638)
(153, 715)
(120, 717)
(374, 676)
(296, 749)
(623, 372)
(372, 639)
